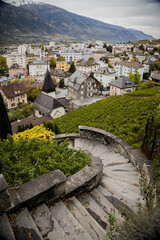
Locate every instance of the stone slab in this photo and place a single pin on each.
(69, 224)
(5, 228)
(47, 224)
(85, 219)
(39, 189)
(24, 227)
(3, 183)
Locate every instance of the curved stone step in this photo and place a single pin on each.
(131, 199)
(69, 224)
(85, 219)
(117, 203)
(94, 210)
(47, 224)
(5, 228)
(107, 206)
(24, 227)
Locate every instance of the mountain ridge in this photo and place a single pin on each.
(48, 20)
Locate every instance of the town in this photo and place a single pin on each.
(40, 82)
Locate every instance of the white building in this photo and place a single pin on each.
(15, 58)
(124, 68)
(88, 66)
(22, 49)
(71, 56)
(38, 68)
(104, 76)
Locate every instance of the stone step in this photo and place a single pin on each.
(69, 224)
(112, 158)
(24, 227)
(123, 186)
(47, 224)
(134, 180)
(104, 204)
(121, 173)
(89, 145)
(84, 218)
(100, 149)
(125, 166)
(5, 228)
(78, 143)
(122, 208)
(94, 210)
(129, 198)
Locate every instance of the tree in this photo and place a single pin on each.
(42, 48)
(89, 46)
(109, 48)
(72, 68)
(105, 46)
(5, 126)
(60, 58)
(146, 75)
(61, 83)
(91, 59)
(3, 66)
(52, 62)
(141, 47)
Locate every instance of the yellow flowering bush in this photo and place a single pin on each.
(36, 132)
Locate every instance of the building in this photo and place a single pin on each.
(155, 76)
(82, 85)
(124, 68)
(63, 66)
(104, 76)
(38, 68)
(19, 59)
(88, 66)
(15, 70)
(147, 64)
(71, 56)
(58, 75)
(14, 94)
(46, 103)
(122, 86)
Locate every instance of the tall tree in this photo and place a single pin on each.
(5, 126)
(91, 59)
(3, 65)
(52, 62)
(72, 68)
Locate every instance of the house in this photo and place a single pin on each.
(147, 64)
(63, 66)
(14, 94)
(124, 68)
(122, 86)
(58, 75)
(88, 66)
(104, 76)
(46, 103)
(155, 76)
(15, 69)
(38, 67)
(82, 85)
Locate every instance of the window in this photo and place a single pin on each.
(81, 92)
(82, 86)
(12, 104)
(89, 83)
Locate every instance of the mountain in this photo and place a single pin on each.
(19, 23)
(44, 20)
(139, 34)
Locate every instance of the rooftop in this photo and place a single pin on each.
(13, 89)
(88, 64)
(130, 64)
(48, 85)
(122, 83)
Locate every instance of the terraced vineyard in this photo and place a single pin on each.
(125, 116)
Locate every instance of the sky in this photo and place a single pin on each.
(142, 15)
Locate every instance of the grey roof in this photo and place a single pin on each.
(45, 104)
(104, 70)
(78, 77)
(60, 74)
(48, 85)
(88, 64)
(149, 61)
(123, 82)
(39, 62)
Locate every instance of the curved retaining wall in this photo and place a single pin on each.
(55, 186)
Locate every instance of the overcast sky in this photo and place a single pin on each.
(142, 15)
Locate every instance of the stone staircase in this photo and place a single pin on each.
(86, 215)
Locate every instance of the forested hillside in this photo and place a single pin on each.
(125, 116)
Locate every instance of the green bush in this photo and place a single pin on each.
(22, 161)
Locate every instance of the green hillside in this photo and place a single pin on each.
(125, 116)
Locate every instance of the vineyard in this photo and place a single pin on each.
(125, 116)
